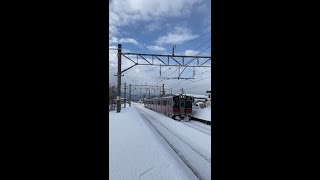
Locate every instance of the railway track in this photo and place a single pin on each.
(199, 128)
(201, 154)
(198, 164)
(201, 120)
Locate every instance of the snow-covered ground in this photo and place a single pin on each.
(199, 141)
(137, 151)
(204, 113)
(192, 145)
(145, 144)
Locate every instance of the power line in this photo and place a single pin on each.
(185, 67)
(155, 76)
(199, 47)
(197, 55)
(194, 39)
(189, 54)
(195, 74)
(196, 80)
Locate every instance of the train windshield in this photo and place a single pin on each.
(188, 104)
(175, 102)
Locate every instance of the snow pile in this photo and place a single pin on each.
(202, 113)
(137, 152)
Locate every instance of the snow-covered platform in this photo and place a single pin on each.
(137, 152)
(204, 114)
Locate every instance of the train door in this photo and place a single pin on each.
(175, 109)
(182, 105)
(188, 105)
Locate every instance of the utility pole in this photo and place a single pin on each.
(174, 46)
(129, 95)
(125, 95)
(163, 89)
(149, 94)
(119, 80)
(171, 91)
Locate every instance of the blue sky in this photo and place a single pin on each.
(154, 26)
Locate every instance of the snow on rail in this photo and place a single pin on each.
(206, 131)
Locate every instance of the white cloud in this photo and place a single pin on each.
(179, 35)
(128, 40)
(156, 48)
(114, 40)
(153, 26)
(191, 52)
(126, 12)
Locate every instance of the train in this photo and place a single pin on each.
(178, 107)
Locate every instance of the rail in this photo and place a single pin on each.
(200, 120)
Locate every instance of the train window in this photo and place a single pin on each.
(188, 104)
(164, 102)
(182, 103)
(176, 102)
(158, 102)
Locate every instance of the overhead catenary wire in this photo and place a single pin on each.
(199, 47)
(181, 45)
(185, 65)
(189, 82)
(154, 80)
(190, 79)
(196, 80)
(158, 81)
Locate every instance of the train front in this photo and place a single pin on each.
(185, 106)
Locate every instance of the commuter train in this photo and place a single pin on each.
(171, 105)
